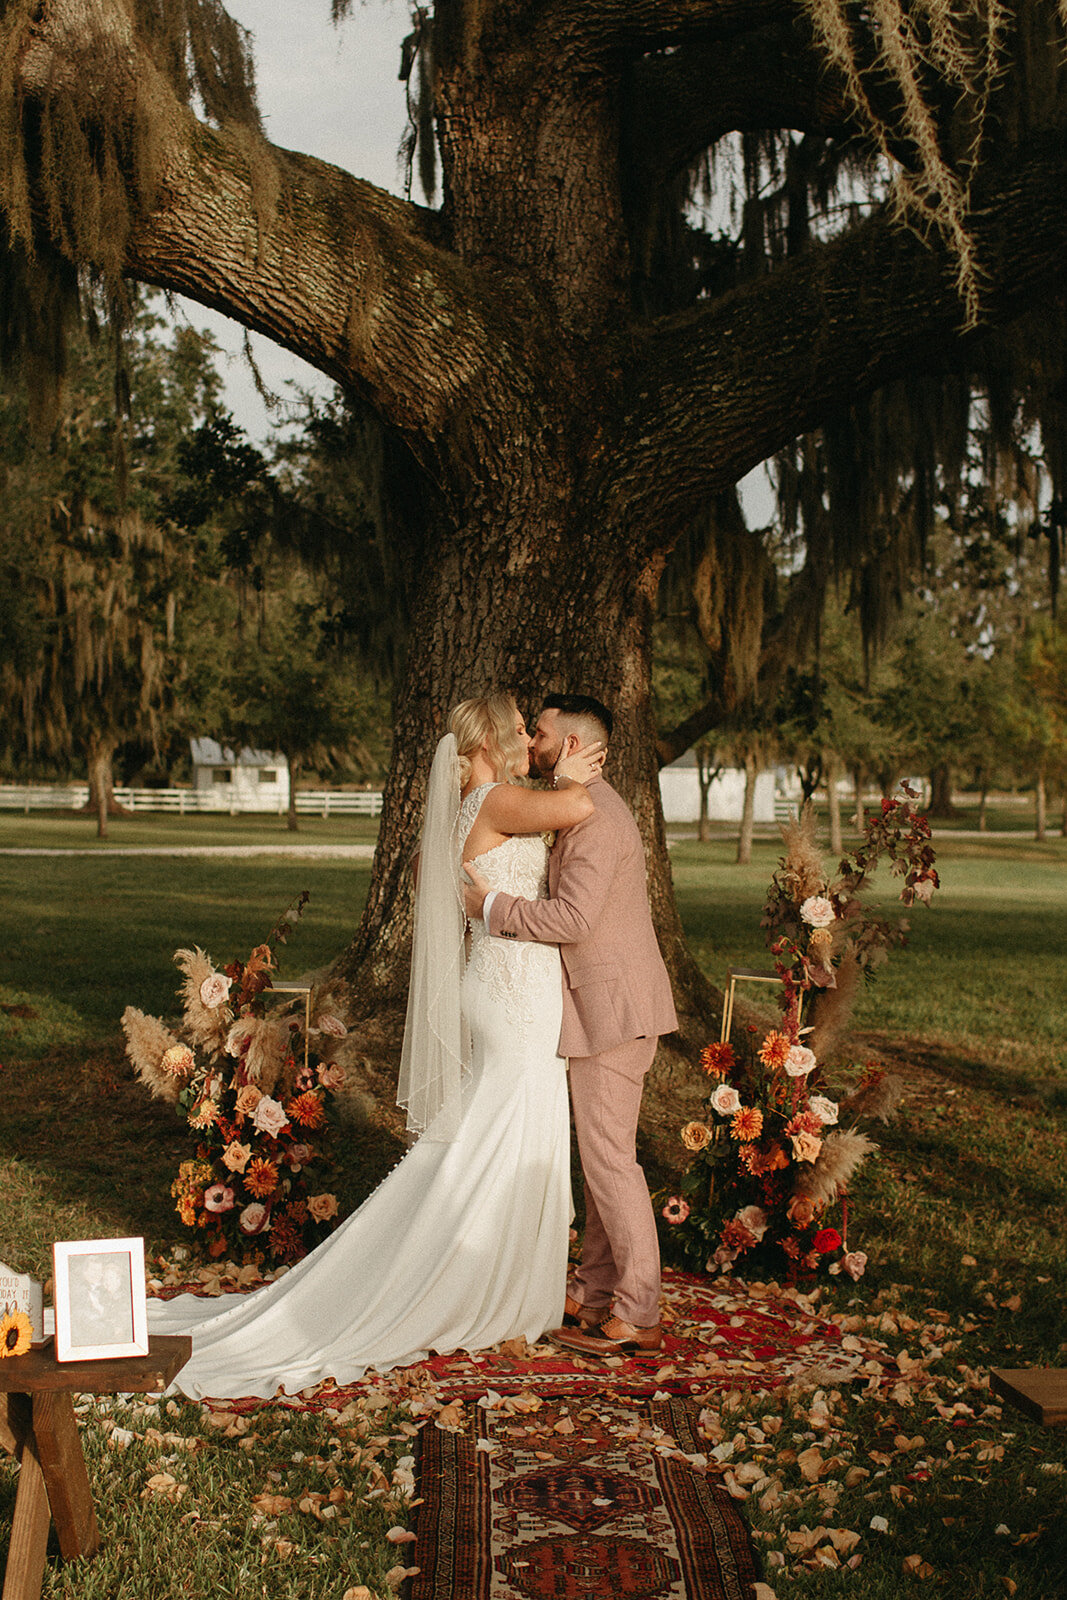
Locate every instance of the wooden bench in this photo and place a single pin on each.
(1041, 1392)
(38, 1427)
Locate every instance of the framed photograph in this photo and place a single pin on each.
(100, 1301)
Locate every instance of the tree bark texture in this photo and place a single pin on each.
(560, 440)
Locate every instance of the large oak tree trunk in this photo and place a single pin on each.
(527, 633)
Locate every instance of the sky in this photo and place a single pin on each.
(330, 92)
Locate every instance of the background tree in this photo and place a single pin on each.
(566, 368)
(96, 572)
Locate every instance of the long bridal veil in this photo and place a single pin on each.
(436, 1055)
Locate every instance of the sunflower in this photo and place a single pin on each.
(16, 1334)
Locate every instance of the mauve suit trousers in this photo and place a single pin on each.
(616, 1002)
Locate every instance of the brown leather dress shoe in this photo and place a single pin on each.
(612, 1338)
(575, 1315)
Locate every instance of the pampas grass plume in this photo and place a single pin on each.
(146, 1041)
(206, 1026)
(803, 871)
(268, 1049)
(879, 1098)
(842, 1153)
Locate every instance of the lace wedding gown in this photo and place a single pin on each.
(463, 1244)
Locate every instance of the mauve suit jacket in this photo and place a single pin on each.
(615, 985)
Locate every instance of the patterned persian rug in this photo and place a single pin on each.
(581, 1500)
(719, 1334)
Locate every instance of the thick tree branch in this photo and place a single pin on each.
(606, 27)
(683, 102)
(343, 274)
(714, 392)
(669, 746)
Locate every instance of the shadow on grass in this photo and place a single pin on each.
(88, 1153)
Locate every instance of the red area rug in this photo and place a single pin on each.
(585, 1499)
(719, 1335)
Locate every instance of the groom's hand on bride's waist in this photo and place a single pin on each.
(474, 891)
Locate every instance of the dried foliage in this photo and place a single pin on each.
(901, 63)
(90, 93)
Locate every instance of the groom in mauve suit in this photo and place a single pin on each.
(616, 1002)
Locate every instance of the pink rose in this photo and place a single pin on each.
(817, 912)
(214, 990)
(179, 1061)
(332, 1025)
(322, 1206)
(269, 1117)
(297, 1155)
(824, 1109)
(800, 1061)
(218, 1198)
(754, 1219)
(253, 1219)
(806, 1147)
(725, 1100)
(332, 1076)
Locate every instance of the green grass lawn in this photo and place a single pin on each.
(963, 1215)
(63, 831)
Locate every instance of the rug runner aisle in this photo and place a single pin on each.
(719, 1335)
(583, 1499)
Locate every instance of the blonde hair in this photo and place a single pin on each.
(489, 720)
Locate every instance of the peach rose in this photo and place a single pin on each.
(695, 1135)
(248, 1098)
(332, 1076)
(322, 1206)
(806, 1147)
(236, 1156)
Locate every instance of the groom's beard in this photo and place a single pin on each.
(543, 766)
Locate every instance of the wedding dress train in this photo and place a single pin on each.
(464, 1243)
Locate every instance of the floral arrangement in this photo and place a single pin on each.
(257, 1094)
(775, 1153)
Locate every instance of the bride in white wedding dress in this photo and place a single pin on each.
(465, 1242)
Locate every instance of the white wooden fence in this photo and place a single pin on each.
(188, 802)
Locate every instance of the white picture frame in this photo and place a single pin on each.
(101, 1305)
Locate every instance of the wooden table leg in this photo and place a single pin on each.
(59, 1451)
(24, 1573)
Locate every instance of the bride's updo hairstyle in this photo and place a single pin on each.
(489, 720)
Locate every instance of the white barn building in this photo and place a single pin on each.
(680, 793)
(251, 780)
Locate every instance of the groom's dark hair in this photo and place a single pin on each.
(581, 705)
